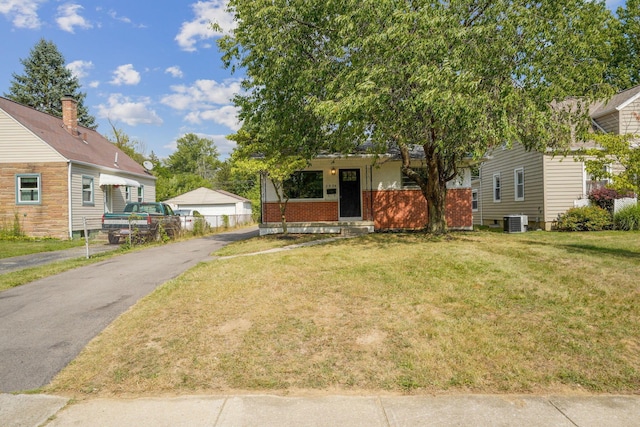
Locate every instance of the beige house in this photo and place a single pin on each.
(57, 178)
(536, 187)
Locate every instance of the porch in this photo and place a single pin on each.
(346, 228)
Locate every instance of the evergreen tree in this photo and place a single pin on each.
(45, 81)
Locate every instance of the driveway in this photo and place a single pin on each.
(46, 323)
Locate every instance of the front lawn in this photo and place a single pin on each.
(16, 247)
(476, 312)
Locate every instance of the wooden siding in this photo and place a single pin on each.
(505, 162)
(609, 122)
(18, 144)
(564, 183)
(630, 118)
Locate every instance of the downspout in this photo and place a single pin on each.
(69, 192)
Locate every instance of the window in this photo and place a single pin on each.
(408, 182)
(474, 200)
(598, 180)
(127, 194)
(28, 189)
(141, 193)
(87, 190)
(304, 185)
(497, 188)
(518, 178)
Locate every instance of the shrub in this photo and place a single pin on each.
(588, 218)
(628, 218)
(604, 197)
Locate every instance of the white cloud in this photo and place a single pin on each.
(202, 94)
(69, 18)
(227, 116)
(125, 75)
(206, 13)
(124, 109)
(22, 13)
(175, 71)
(79, 68)
(94, 84)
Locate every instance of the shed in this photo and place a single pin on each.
(215, 204)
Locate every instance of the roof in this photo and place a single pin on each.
(87, 147)
(205, 196)
(618, 102)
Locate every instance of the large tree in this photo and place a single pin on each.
(450, 78)
(625, 65)
(45, 81)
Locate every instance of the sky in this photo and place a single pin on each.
(152, 68)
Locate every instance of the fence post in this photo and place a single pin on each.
(86, 235)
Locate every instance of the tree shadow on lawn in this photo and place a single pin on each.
(583, 248)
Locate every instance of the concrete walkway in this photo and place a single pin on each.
(353, 411)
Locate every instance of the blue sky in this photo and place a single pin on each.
(151, 67)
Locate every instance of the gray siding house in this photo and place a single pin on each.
(543, 185)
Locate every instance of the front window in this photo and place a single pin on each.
(518, 176)
(87, 190)
(127, 194)
(304, 185)
(28, 189)
(474, 200)
(410, 183)
(497, 188)
(141, 193)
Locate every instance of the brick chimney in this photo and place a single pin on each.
(70, 114)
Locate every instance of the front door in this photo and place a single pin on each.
(350, 205)
(108, 199)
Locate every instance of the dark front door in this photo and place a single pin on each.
(350, 206)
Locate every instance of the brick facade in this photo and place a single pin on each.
(50, 217)
(389, 210)
(302, 212)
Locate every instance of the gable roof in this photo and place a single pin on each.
(618, 102)
(205, 196)
(87, 147)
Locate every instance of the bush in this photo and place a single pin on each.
(628, 218)
(588, 218)
(604, 197)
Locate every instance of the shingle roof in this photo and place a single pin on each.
(88, 147)
(205, 196)
(618, 101)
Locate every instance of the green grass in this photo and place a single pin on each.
(475, 312)
(18, 247)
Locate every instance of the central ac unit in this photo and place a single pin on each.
(515, 223)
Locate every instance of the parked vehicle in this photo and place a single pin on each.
(142, 220)
(188, 218)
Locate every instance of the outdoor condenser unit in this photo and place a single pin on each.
(515, 223)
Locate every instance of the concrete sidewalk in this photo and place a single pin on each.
(369, 411)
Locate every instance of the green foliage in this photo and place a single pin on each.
(624, 72)
(627, 218)
(132, 148)
(588, 218)
(614, 149)
(45, 81)
(605, 198)
(454, 78)
(12, 231)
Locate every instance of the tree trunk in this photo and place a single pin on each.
(435, 193)
(283, 217)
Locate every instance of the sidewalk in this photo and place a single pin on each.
(353, 411)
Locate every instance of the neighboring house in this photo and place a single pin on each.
(357, 193)
(55, 175)
(543, 185)
(217, 206)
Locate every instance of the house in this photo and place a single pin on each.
(541, 185)
(219, 207)
(57, 178)
(360, 193)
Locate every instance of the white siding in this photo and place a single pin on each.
(629, 118)
(92, 213)
(609, 122)
(18, 144)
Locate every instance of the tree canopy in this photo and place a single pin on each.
(625, 65)
(452, 78)
(45, 81)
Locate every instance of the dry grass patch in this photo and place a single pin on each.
(481, 312)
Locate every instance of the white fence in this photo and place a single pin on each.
(221, 221)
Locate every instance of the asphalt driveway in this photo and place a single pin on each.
(46, 323)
